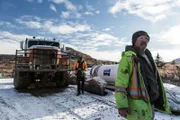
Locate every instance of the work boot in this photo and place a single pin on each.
(77, 94)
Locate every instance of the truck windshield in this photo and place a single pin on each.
(48, 43)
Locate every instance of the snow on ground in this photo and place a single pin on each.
(59, 104)
(172, 88)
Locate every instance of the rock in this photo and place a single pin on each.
(72, 78)
(95, 85)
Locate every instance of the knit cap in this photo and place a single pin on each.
(138, 34)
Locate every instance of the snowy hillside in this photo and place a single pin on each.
(61, 104)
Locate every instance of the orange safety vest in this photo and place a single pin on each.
(135, 89)
(76, 66)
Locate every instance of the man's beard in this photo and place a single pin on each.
(141, 49)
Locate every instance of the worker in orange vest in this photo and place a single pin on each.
(80, 68)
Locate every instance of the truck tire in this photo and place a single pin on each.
(21, 80)
(66, 79)
(62, 79)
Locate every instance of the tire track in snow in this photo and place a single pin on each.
(107, 102)
(60, 103)
(96, 103)
(9, 112)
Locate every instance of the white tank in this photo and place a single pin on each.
(106, 72)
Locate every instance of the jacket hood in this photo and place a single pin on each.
(130, 48)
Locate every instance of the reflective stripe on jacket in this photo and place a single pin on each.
(135, 90)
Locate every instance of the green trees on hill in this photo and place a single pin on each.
(159, 62)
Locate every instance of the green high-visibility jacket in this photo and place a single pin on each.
(139, 108)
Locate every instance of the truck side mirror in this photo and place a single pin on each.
(21, 45)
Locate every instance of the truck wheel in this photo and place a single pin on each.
(21, 80)
(66, 79)
(62, 79)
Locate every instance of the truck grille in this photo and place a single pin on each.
(44, 57)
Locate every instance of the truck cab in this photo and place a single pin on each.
(41, 60)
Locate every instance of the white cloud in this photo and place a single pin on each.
(105, 37)
(89, 10)
(9, 5)
(154, 10)
(53, 8)
(7, 36)
(171, 35)
(48, 24)
(158, 18)
(10, 42)
(90, 46)
(53, 26)
(89, 7)
(70, 6)
(88, 13)
(177, 2)
(58, 1)
(7, 24)
(77, 15)
(107, 29)
(30, 0)
(80, 7)
(82, 28)
(67, 3)
(9, 47)
(63, 29)
(166, 43)
(69, 14)
(30, 24)
(30, 18)
(40, 1)
(72, 9)
(65, 14)
(66, 29)
(98, 42)
(99, 45)
(97, 12)
(112, 55)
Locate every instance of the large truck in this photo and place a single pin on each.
(41, 61)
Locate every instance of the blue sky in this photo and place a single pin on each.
(100, 28)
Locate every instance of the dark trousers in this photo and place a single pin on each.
(80, 84)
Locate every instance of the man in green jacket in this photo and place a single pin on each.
(138, 87)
